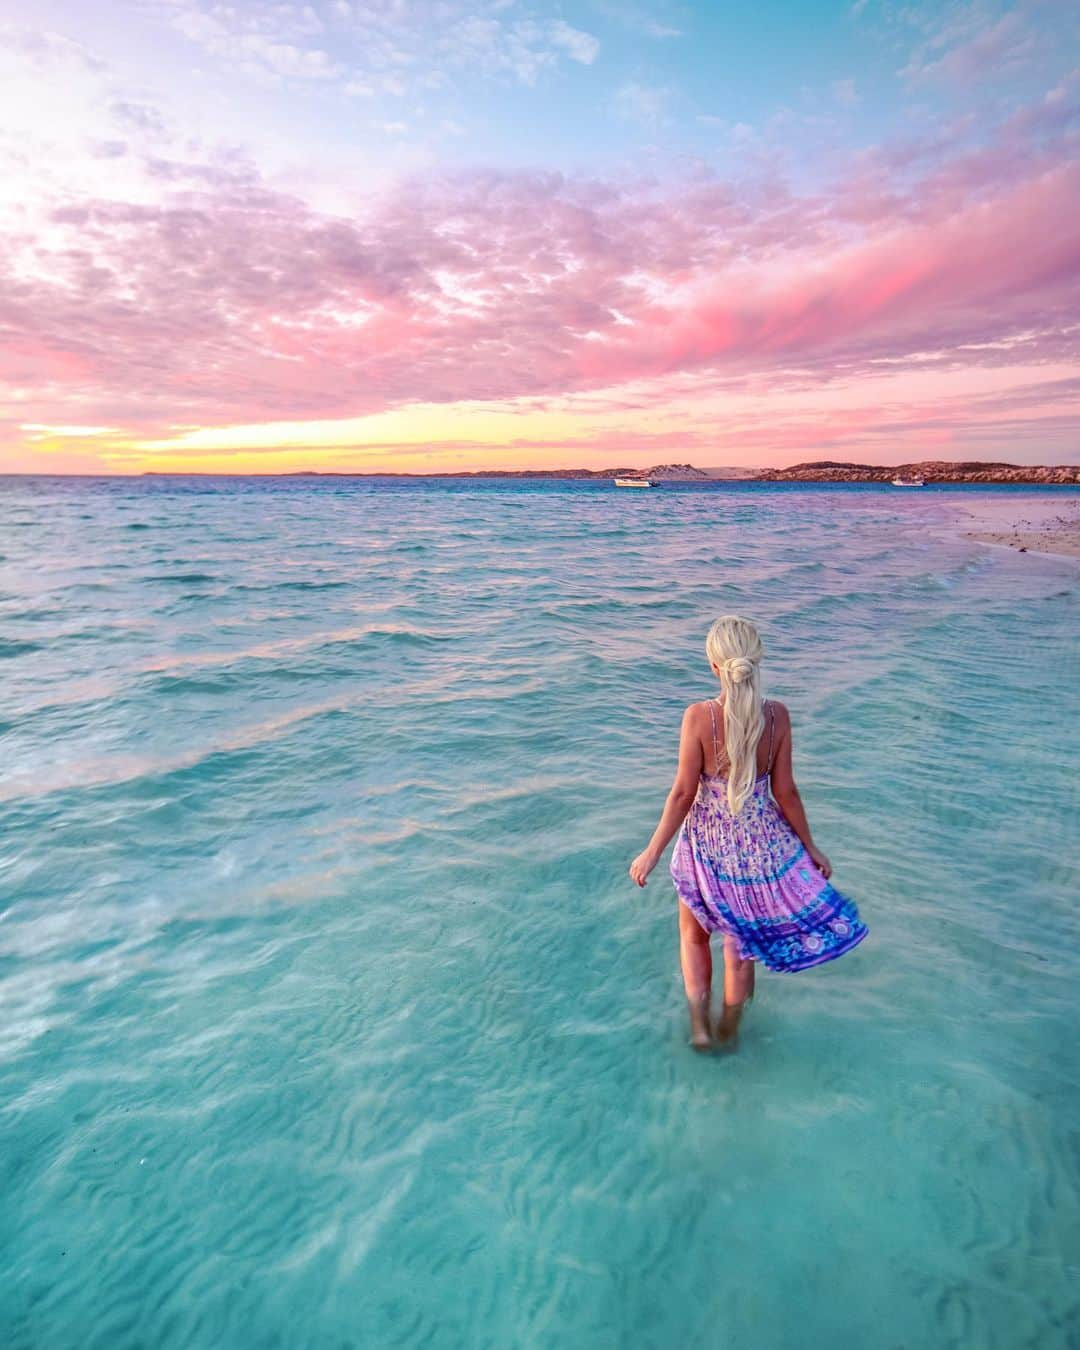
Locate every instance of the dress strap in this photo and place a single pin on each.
(772, 724)
(712, 715)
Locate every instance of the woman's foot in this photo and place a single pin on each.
(700, 1035)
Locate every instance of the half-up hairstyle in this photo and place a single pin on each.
(733, 644)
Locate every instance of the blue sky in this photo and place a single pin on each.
(570, 85)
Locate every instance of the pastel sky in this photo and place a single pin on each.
(457, 234)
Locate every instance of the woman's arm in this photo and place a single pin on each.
(787, 798)
(679, 800)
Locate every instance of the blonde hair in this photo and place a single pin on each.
(733, 644)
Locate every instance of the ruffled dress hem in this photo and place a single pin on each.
(805, 923)
(790, 963)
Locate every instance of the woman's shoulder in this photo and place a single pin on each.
(701, 717)
(696, 712)
(780, 712)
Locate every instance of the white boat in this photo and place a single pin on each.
(913, 480)
(634, 482)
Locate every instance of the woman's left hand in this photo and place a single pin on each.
(642, 865)
(820, 861)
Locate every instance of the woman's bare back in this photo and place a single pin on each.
(710, 718)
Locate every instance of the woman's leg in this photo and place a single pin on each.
(738, 989)
(696, 957)
(738, 973)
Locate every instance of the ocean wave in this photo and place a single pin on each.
(183, 578)
(12, 647)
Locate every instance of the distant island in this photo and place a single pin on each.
(816, 471)
(673, 473)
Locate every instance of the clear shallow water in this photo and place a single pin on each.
(330, 1017)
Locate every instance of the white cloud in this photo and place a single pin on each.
(579, 46)
(203, 29)
(292, 62)
(255, 39)
(41, 430)
(373, 37)
(845, 93)
(642, 103)
(635, 18)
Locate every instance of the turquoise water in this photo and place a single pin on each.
(330, 1017)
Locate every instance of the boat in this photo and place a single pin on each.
(909, 480)
(634, 482)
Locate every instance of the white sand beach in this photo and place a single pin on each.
(1029, 525)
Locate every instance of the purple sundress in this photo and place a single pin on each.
(749, 876)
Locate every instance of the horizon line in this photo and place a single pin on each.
(743, 473)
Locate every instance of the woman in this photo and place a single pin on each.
(744, 863)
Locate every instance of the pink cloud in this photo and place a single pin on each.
(996, 267)
(226, 302)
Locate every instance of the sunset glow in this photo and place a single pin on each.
(417, 236)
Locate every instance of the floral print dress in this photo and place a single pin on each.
(750, 877)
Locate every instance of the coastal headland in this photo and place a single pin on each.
(930, 470)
